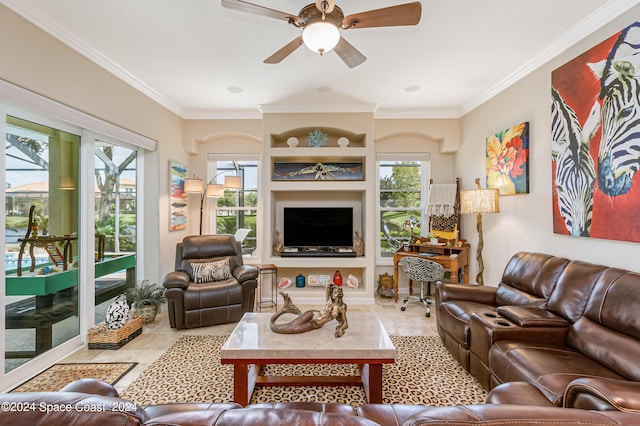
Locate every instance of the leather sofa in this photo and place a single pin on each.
(569, 330)
(89, 402)
(197, 304)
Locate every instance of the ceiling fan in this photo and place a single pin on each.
(322, 21)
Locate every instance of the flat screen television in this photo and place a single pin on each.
(318, 227)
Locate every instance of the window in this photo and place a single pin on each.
(402, 194)
(237, 210)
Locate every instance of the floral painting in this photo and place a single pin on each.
(595, 140)
(508, 160)
(178, 198)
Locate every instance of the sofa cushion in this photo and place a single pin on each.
(570, 295)
(206, 272)
(550, 368)
(529, 279)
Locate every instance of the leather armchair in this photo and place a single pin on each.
(197, 304)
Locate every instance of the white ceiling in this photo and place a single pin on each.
(192, 56)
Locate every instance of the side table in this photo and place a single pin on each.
(272, 271)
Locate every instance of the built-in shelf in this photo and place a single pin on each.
(281, 192)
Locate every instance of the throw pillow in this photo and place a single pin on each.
(206, 272)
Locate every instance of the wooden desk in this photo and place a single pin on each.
(442, 257)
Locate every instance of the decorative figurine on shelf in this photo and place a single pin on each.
(317, 139)
(358, 244)
(335, 308)
(277, 244)
(337, 278)
(385, 285)
(352, 281)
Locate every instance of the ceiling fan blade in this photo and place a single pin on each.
(403, 14)
(287, 50)
(349, 54)
(244, 6)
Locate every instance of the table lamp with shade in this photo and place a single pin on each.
(479, 200)
(213, 190)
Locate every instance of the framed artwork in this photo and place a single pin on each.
(177, 197)
(507, 160)
(595, 140)
(317, 171)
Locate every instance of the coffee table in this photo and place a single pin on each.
(253, 344)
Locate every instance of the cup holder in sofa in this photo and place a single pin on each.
(490, 314)
(503, 323)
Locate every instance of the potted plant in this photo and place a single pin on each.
(146, 300)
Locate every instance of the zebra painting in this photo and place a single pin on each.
(619, 153)
(574, 169)
(600, 89)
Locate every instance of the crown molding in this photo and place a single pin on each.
(27, 10)
(575, 34)
(578, 32)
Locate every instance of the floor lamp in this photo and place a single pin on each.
(479, 200)
(213, 190)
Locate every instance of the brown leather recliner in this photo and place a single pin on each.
(196, 304)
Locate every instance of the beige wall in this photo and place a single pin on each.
(36, 61)
(525, 221)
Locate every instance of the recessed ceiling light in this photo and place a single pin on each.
(234, 89)
(324, 89)
(412, 88)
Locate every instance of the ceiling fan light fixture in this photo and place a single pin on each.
(321, 36)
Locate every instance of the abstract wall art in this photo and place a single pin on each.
(177, 197)
(595, 140)
(507, 160)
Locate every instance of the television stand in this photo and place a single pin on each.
(317, 252)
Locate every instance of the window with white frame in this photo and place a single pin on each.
(237, 211)
(402, 195)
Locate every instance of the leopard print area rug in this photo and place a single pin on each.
(424, 373)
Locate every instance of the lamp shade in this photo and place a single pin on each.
(215, 190)
(321, 36)
(479, 200)
(233, 182)
(193, 186)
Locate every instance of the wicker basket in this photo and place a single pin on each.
(100, 337)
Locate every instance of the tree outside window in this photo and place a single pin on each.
(402, 187)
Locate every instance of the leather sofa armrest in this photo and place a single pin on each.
(157, 410)
(245, 272)
(593, 393)
(530, 316)
(470, 292)
(176, 279)
(500, 415)
(257, 417)
(91, 386)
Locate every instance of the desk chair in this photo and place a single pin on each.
(425, 271)
(241, 234)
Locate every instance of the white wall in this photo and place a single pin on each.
(525, 221)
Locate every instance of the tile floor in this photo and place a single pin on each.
(156, 337)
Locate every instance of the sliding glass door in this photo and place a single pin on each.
(41, 239)
(115, 223)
